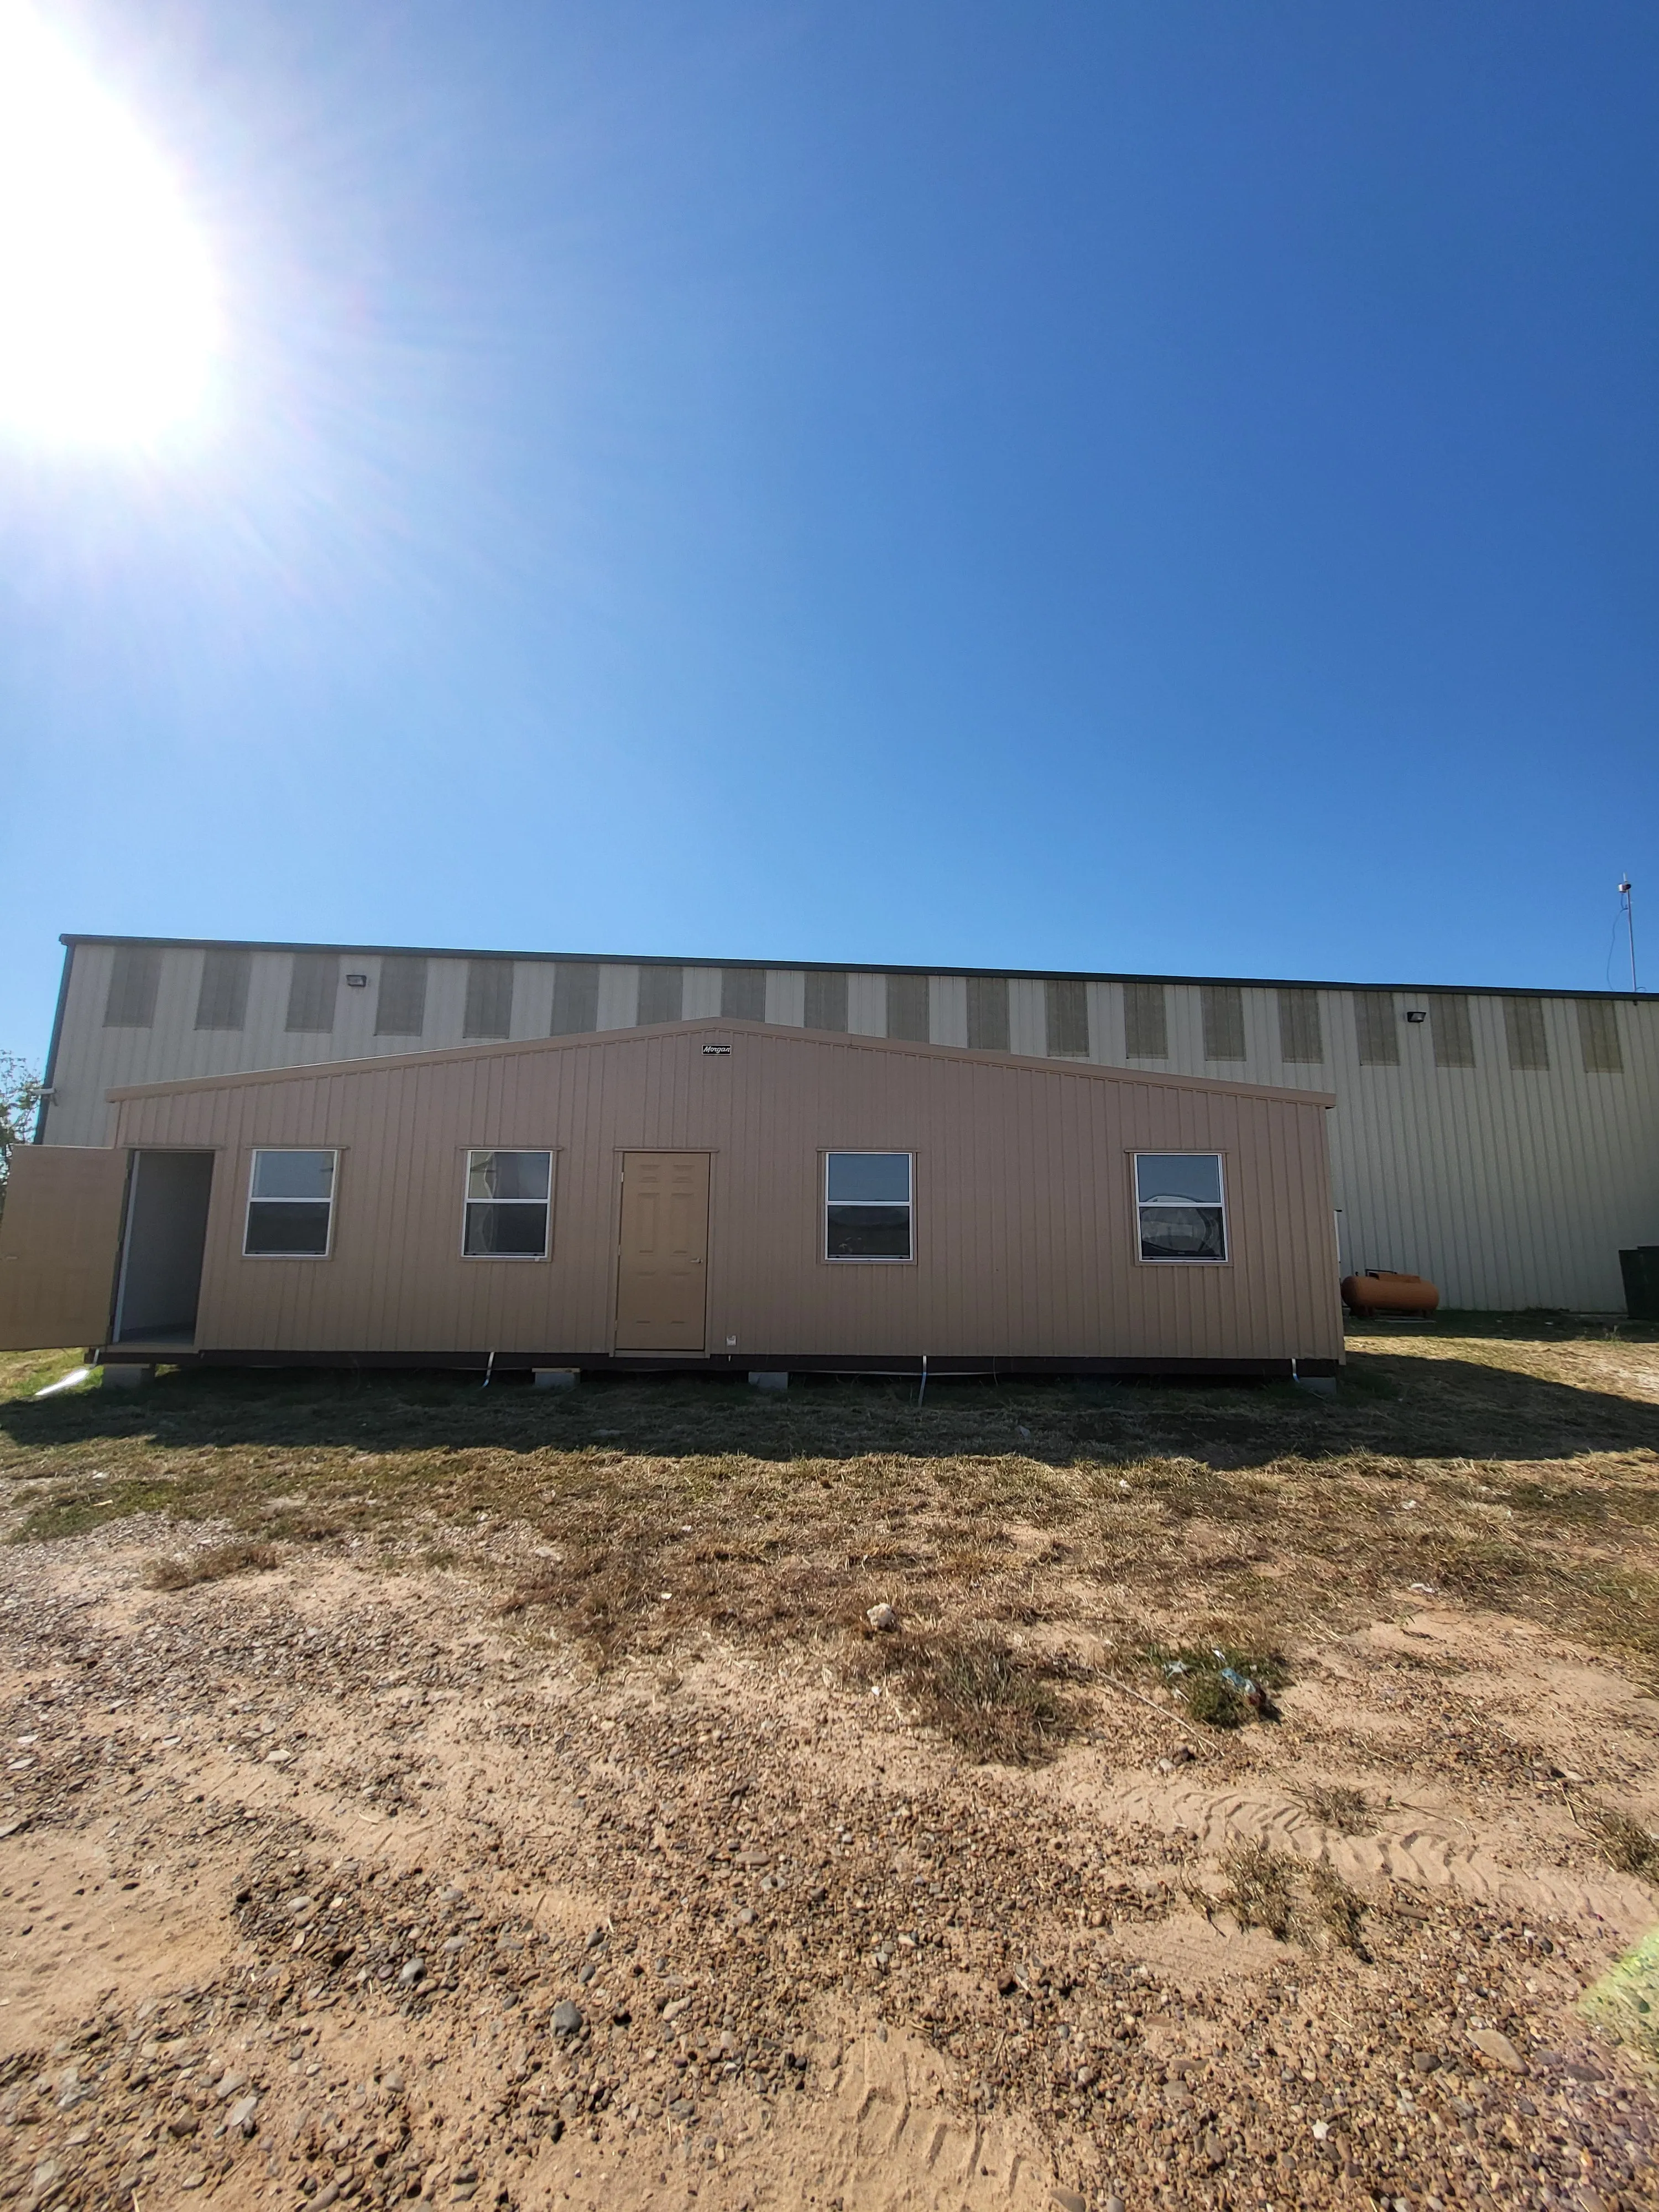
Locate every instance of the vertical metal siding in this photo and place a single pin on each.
(1025, 1230)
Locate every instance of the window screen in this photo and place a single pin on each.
(575, 998)
(1598, 1037)
(401, 1010)
(290, 1206)
(1222, 1006)
(133, 983)
(743, 993)
(1145, 1021)
(662, 993)
(1378, 1028)
(1065, 1005)
(489, 999)
(312, 987)
(1182, 1214)
(1524, 1031)
(1300, 1041)
(867, 1206)
(826, 999)
(1451, 1030)
(507, 1205)
(987, 1012)
(907, 1011)
(221, 1002)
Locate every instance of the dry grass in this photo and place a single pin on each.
(1515, 1464)
(1260, 1890)
(1628, 1846)
(993, 1703)
(214, 1563)
(1337, 1908)
(1336, 1805)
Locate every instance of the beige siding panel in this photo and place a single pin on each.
(532, 998)
(701, 993)
(1028, 1016)
(58, 1237)
(1025, 1232)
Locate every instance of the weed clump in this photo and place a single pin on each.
(993, 1703)
(1337, 1906)
(1335, 1805)
(1628, 1846)
(1258, 1892)
(1223, 1688)
(214, 1564)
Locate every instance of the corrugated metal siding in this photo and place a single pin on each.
(1301, 1039)
(400, 1002)
(662, 992)
(313, 988)
(1436, 1152)
(987, 1013)
(1525, 1034)
(1376, 1024)
(221, 995)
(1025, 1227)
(1145, 1021)
(1449, 1026)
(743, 993)
(575, 998)
(1066, 1008)
(489, 999)
(908, 1012)
(1223, 1008)
(825, 1000)
(1600, 1052)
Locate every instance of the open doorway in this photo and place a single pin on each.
(162, 1253)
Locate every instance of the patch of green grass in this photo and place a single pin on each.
(1212, 1682)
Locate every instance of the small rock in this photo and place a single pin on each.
(1069, 2201)
(192, 2180)
(411, 1972)
(1580, 2069)
(1215, 2152)
(183, 2123)
(240, 2114)
(1182, 1755)
(882, 1616)
(682, 2108)
(454, 1944)
(566, 2019)
(595, 1939)
(1111, 2204)
(675, 2006)
(228, 2084)
(1425, 2061)
(1497, 2046)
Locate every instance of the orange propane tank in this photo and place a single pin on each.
(1377, 1291)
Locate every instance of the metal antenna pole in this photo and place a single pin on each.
(1630, 924)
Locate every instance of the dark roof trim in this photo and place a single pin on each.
(845, 967)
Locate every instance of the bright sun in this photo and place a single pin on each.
(109, 324)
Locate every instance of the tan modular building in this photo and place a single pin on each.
(723, 1194)
(1502, 1143)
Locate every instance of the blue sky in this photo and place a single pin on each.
(1167, 486)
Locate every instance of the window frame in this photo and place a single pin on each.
(256, 1153)
(550, 1153)
(829, 1259)
(1137, 1205)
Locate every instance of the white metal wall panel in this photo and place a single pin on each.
(1509, 1187)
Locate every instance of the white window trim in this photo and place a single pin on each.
(867, 1259)
(256, 1153)
(1184, 1153)
(492, 1259)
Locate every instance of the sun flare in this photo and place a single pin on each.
(109, 323)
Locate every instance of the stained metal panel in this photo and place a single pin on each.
(1145, 1021)
(489, 999)
(1222, 1006)
(314, 990)
(221, 997)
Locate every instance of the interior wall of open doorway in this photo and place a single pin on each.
(161, 1278)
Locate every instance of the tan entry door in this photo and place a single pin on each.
(58, 1240)
(660, 1293)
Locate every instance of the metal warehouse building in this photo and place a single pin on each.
(1502, 1143)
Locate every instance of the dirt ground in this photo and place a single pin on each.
(415, 1791)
